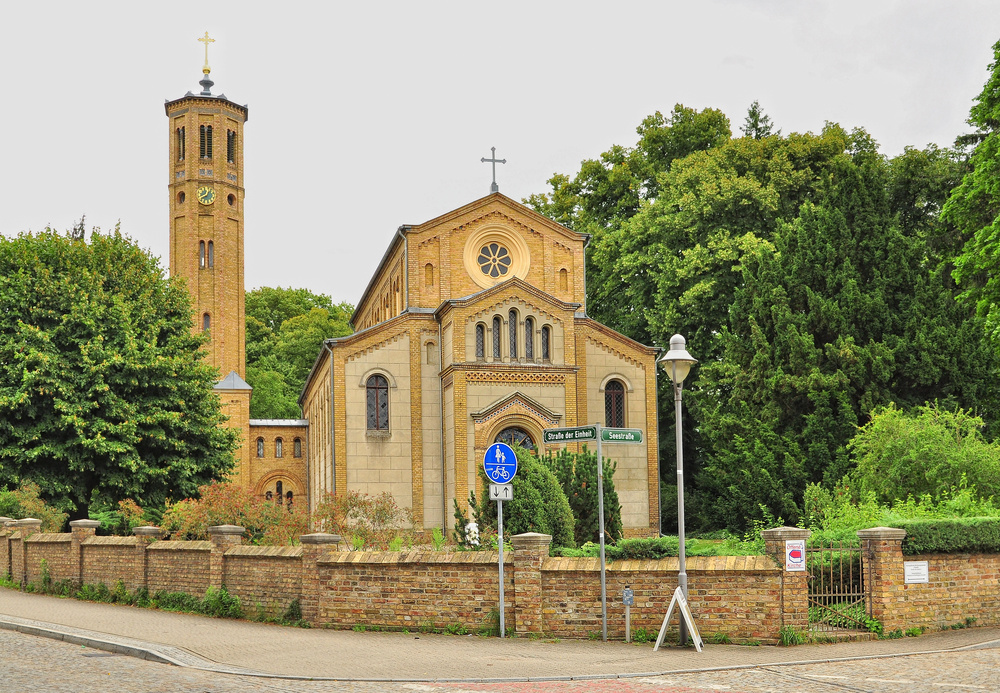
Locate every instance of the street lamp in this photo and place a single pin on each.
(677, 363)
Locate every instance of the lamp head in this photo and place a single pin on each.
(677, 362)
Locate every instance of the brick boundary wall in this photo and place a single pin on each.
(744, 597)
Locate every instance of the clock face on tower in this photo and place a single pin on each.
(206, 195)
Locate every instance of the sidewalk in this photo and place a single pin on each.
(223, 645)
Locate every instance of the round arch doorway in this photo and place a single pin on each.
(515, 435)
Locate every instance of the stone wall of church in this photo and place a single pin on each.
(273, 458)
(632, 480)
(380, 461)
(435, 504)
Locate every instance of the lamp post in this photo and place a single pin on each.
(677, 363)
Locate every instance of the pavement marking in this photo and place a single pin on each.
(823, 676)
(889, 680)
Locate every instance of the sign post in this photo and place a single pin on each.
(598, 433)
(500, 465)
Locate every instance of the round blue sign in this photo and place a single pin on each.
(500, 463)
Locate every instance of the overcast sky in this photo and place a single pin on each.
(368, 115)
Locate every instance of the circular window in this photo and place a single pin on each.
(180, 197)
(516, 436)
(494, 260)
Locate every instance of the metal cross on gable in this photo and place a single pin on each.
(206, 40)
(494, 160)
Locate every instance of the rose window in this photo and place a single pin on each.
(494, 260)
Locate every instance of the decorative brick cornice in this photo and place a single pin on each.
(544, 378)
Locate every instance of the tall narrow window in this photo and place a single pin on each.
(278, 491)
(496, 338)
(614, 404)
(297, 447)
(546, 338)
(429, 275)
(180, 144)
(206, 322)
(529, 339)
(206, 141)
(377, 391)
(563, 279)
(512, 329)
(431, 354)
(480, 342)
(288, 500)
(231, 146)
(211, 254)
(278, 447)
(260, 447)
(202, 140)
(201, 254)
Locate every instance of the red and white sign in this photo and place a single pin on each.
(795, 554)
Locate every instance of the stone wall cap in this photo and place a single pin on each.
(86, 524)
(320, 538)
(5, 520)
(147, 531)
(531, 539)
(28, 522)
(882, 533)
(785, 533)
(227, 529)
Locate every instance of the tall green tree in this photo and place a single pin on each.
(974, 207)
(285, 331)
(104, 394)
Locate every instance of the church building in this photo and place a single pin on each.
(472, 330)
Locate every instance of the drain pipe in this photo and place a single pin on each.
(333, 440)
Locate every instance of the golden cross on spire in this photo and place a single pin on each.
(206, 40)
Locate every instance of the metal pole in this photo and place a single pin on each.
(600, 534)
(682, 578)
(500, 544)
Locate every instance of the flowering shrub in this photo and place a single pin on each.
(24, 501)
(365, 521)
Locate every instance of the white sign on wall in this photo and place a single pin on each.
(795, 554)
(915, 572)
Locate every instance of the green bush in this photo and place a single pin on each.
(577, 473)
(538, 504)
(220, 604)
(650, 547)
(955, 535)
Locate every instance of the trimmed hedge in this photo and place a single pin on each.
(956, 535)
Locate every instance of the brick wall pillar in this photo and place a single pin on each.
(223, 537)
(144, 537)
(6, 529)
(794, 583)
(882, 553)
(530, 549)
(80, 531)
(19, 561)
(314, 547)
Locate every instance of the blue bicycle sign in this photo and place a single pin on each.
(500, 463)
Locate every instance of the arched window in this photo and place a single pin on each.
(512, 329)
(377, 391)
(288, 500)
(278, 447)
(211, 254)
(429, 275)
(269, 495)
(431, 354)
(563, 279)
(496, 338)
(480, 342)
(297, 447)
(614, 404)
(206, 141)
(260, 447)
(529, 339)
(206, 322)
(546, 340)
(515, 436)
(278, 492)
(231, 146)
(201, 254)
(180, 144)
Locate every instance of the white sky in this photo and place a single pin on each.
(368, 115)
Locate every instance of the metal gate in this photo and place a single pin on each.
(839, 593)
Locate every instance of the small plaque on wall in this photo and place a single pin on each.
(915, 572)
(795, 554)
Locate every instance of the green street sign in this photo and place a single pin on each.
(569, 435)
(621, 435)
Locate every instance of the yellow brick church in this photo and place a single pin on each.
(473, 329)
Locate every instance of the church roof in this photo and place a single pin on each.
(522, 287)
(233, 381)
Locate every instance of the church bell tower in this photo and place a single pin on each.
(206, 216)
